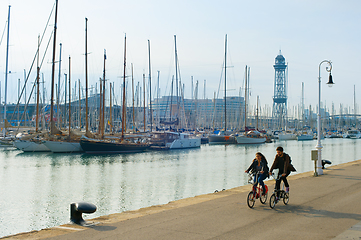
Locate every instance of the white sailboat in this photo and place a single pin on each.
(352, 134)
(223, 137)
(305, 136)
(287, 135)
(31, 144)
(174, 140)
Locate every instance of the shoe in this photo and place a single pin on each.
(263, 193)
(287, 189)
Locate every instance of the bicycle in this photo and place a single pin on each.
(281, 193)
(252, 196)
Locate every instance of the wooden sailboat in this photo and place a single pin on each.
(34, 143)
(223, 137)
(253, 136)
(6, 141)
(115, 145)
(63, 143)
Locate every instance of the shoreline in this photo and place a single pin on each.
(132, 214)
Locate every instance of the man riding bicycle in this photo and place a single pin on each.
(283, 163)
(260, 166)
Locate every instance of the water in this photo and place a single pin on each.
(36, 189)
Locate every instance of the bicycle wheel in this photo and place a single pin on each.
(286, 198)
(272, 201)
(263, 198)
(250, 199)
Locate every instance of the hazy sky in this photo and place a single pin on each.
(307, 32)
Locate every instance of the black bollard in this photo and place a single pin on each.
(77, 209)
(324, 162)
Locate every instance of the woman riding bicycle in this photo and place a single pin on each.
(260, 167)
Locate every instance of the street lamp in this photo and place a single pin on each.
(319, 170)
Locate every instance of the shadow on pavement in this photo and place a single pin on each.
(311, 212)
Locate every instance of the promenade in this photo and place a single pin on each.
(324, 207)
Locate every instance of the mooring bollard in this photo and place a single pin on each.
(324, 162)
(77, 209)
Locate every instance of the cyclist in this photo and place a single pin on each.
(259, 165)
(283, 163)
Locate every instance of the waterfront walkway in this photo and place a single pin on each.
(323, 207)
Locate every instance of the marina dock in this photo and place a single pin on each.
(324, 207)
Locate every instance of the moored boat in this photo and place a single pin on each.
(251, 137)
(174, 140)
(352, 134)
(221, 138)
(100, 146)
(63, 146)
(31, 145)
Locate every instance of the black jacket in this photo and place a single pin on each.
(263, 163)
(287, 168)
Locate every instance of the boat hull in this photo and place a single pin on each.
(101, 147)
(185, 143)
(250, 140)
(63, 147)
(283, 137)
(304, 137)
(30, 146)
(220, 139)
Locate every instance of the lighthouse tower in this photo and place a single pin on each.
(279, 112)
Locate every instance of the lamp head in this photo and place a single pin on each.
(330, 82)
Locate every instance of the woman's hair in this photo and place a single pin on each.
(279, 149)
(262, 156)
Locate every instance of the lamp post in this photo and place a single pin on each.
(319, 146)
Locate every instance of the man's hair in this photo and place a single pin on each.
(279, 149)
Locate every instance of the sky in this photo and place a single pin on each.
(306, 32)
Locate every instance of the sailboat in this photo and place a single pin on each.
(34, 143)
(170, 139)
(253, 136)
(6, 141)
(115, 145)
(223, 137)
(65, 143)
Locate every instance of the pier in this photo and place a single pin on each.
(324, 207)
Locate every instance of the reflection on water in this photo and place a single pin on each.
(37, 188)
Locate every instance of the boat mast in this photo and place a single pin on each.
(79, 104)
(69, 97)
(225, 84)
(6, 72)
(58, 96)
(133, 99)
(100, 106)
(86, 75)
(124, 107)
(144, 101)
(354, 105)
(103, 101)
(110, 109)
(303, 105)
(257, 113)
(176, 71)
(150, 89)
(245, 100)
(52, 124)
(37, 87)
(158, 113)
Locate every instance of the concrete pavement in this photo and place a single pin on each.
(323, 207)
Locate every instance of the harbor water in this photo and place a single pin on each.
(36, 189)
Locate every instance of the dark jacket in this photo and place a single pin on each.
(263, 163)
(287, 168)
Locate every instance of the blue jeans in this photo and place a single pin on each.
(259, 180)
